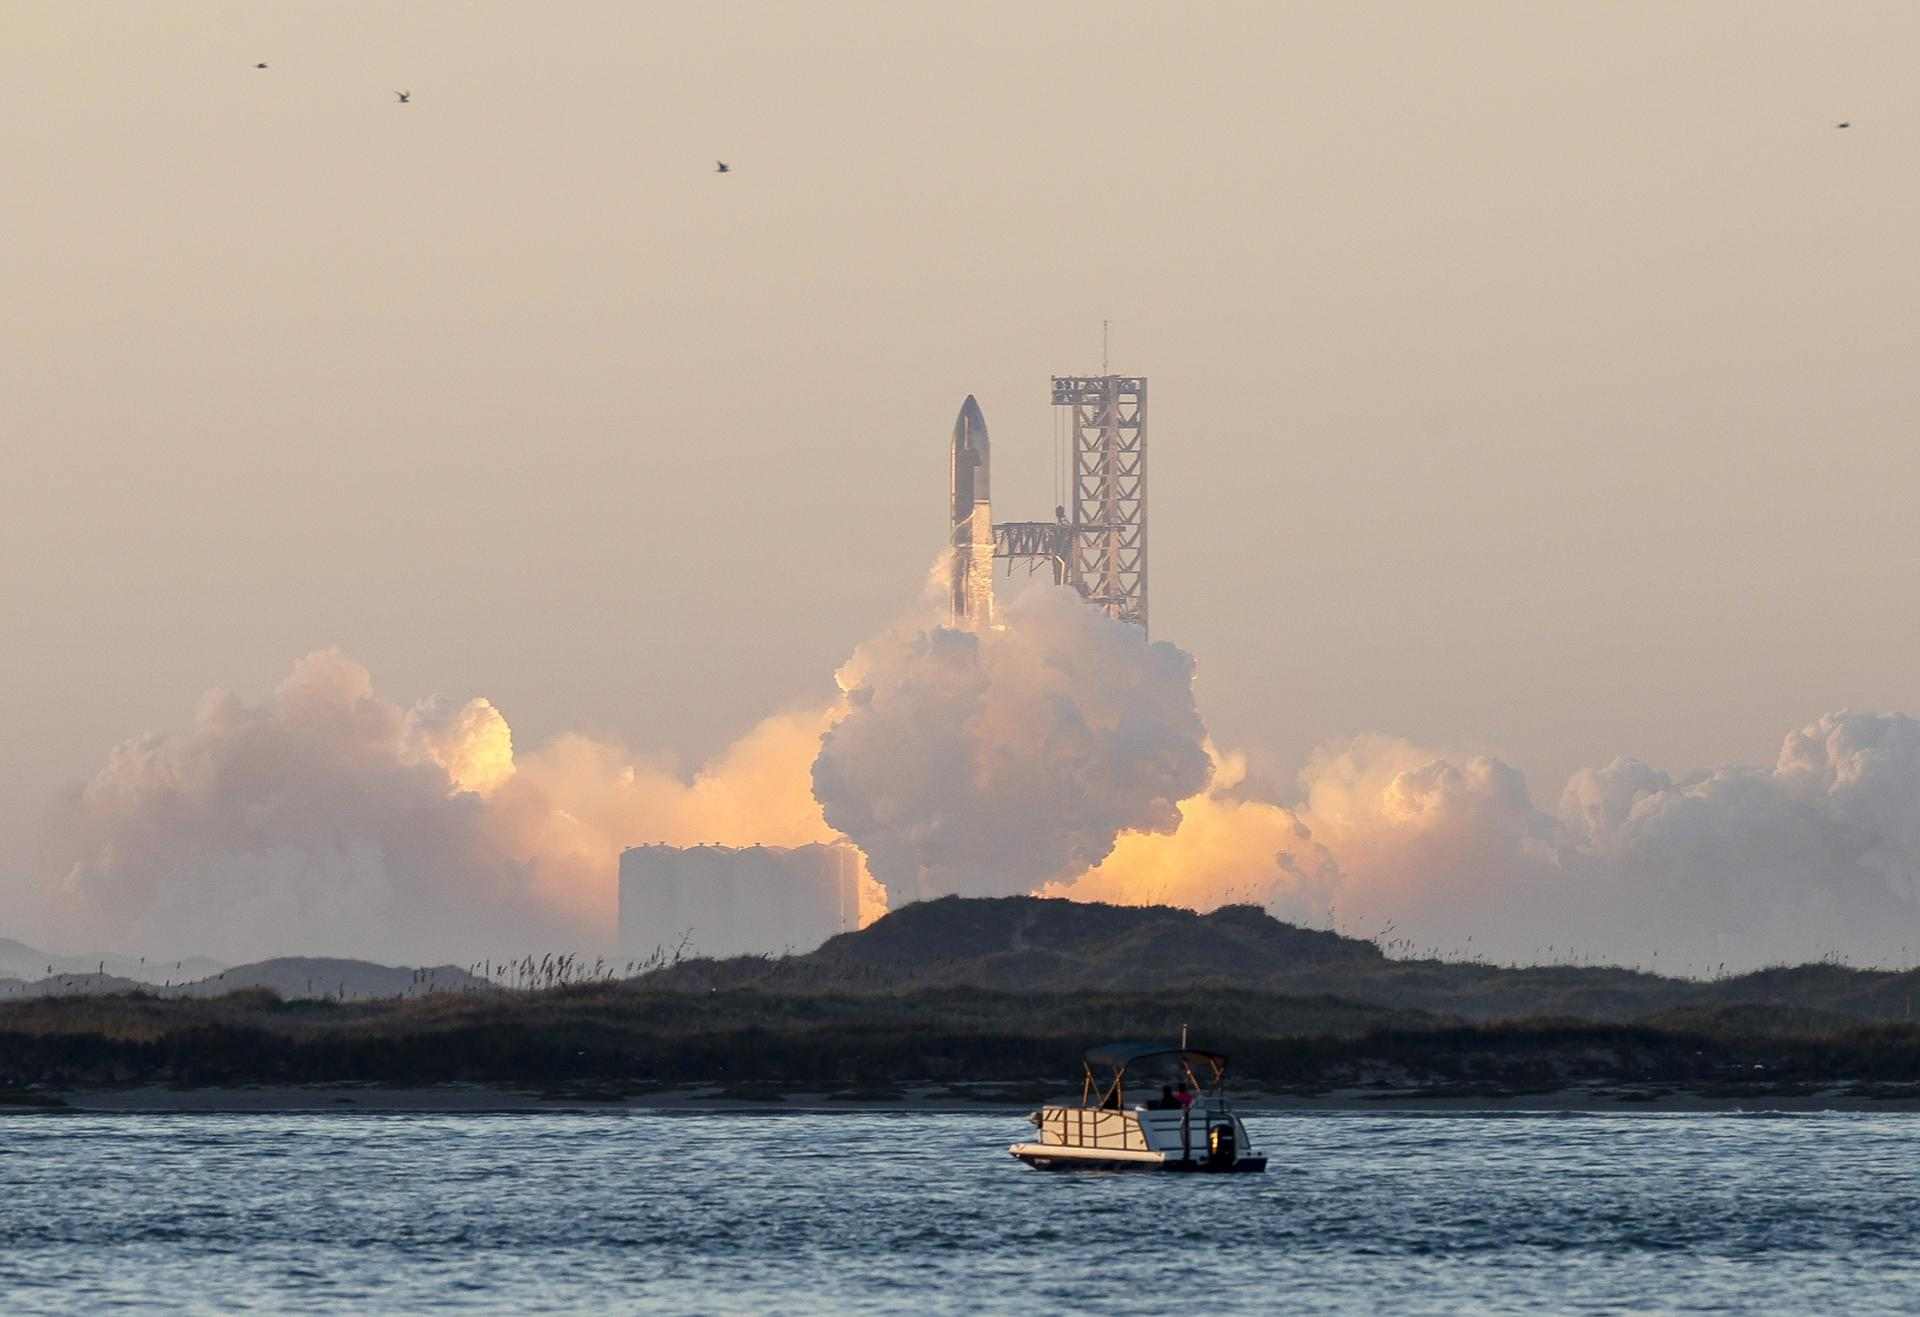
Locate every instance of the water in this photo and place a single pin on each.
(927, 1213)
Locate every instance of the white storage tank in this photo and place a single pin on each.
(723, 901)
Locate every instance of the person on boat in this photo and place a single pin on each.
(1167, 1101)
(1184, 1098)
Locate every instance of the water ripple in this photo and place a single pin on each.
(344, 1212)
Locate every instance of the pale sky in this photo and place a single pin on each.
(1535, 379)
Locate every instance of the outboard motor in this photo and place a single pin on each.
(1222, 1146)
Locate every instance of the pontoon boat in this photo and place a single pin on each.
(1183, 1123)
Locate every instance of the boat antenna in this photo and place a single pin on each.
(1183, 1037)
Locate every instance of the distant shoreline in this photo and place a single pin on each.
(988, 1005)
(482, 1099)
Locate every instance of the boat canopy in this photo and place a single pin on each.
(1118, 1056)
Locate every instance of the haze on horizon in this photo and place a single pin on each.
(1528, 382)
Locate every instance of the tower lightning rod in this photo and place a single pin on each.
(1105, 325)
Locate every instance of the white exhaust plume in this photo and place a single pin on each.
(1060, 753)
(990, 761)
(326, 819)
(322, 819)
(1731, 869)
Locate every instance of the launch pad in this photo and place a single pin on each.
(1097, 540)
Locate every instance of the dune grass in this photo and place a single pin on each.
(616, 1034)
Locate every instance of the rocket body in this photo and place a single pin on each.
(972, 582)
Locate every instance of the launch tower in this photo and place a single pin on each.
(1107, 508)
(1097, 541)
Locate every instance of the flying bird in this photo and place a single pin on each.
(259, 66)
(406, 97)
(722, 167)
(1844, 123)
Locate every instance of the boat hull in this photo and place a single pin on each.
(1053, 1157)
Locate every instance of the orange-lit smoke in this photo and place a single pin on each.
(326, 819)
(1228, 849)
(1730, 868)
(1383, 832)
(570, 807)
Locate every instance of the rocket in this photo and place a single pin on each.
(972, 582)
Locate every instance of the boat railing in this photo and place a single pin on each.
(1093, 1127)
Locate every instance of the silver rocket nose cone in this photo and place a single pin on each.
(970, 418)
(971, 449)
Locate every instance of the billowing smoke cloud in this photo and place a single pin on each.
(990, 762)
(1230, 848)
(1431, 843)
(327, 820)
(575, 803)
(1061, 753)
(321, 819)
(1818, 856)
(1737, 867)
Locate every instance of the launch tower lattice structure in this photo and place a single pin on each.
(1107, 497)
(1097, 540)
